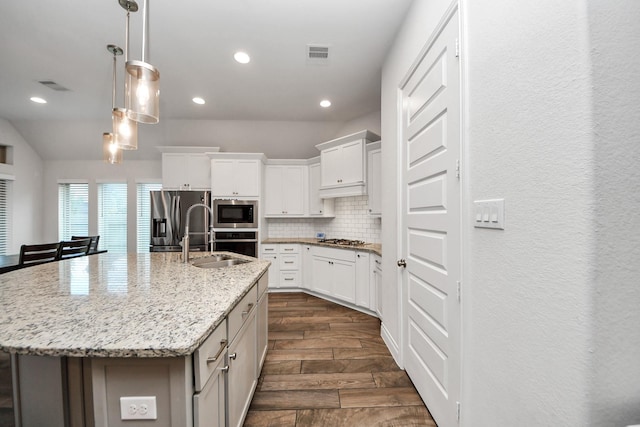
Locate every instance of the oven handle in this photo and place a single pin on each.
(236, 240)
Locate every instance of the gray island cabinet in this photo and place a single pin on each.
(134, 340)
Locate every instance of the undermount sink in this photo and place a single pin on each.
(217, 261)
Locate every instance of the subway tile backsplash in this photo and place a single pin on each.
(352, 221)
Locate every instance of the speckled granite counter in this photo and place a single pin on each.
(375, 248)
(144, 305)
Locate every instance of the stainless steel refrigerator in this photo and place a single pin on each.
(169, 216)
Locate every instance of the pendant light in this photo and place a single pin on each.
(125, 130)
(111, 152)
(142, 86)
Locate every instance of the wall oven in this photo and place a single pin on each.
(235, 214)
(240, 242)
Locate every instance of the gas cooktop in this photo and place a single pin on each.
(342, 242)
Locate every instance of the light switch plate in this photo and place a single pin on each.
(488, 214)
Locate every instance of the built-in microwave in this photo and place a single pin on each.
(235, 213)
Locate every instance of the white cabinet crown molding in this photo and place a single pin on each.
(186, 149)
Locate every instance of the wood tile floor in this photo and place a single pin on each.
(327, 366)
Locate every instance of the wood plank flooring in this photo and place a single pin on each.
(327, 366)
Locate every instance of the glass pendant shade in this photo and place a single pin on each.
(111, 152)
(125, 130)
(142, 92)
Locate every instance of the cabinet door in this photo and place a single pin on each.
(209, 404)
(242, 371)
(222, 177)
(344, 280)
(293, 190)
(330, 167)
(307, 267)
(352, 166)
(322, 278)
(273, 197)
(274, 269)
(247, 178)
(378, 287)
(374, 181)
(363, 296)
(315, 202)
(198, 167)
(173, 171)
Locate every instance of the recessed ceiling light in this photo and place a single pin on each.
(38, 100)
(325, 103)
(242, 57)
(198, 100)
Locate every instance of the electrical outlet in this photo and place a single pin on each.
(138, 408)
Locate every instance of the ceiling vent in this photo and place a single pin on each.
(317, 54)
(53, 85)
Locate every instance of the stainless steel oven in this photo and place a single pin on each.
(235, 213)
(240, 242)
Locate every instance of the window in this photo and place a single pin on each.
(4, 217)
(144, 215)
(73, 210)
(112, 216)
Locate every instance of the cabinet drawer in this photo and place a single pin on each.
(269, 248)
(290, 262)
(263, 284)
(241, 312)
(348, 255)
(289, 279)
(289, 249)
(212, 349)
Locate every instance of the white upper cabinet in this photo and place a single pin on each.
(285, 190)
(374, 180)
(318, 206)
(343, 167)
(186, 171)
(234, 177)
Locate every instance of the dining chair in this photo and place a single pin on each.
(38, 254)
(93, 247)
(74, 248)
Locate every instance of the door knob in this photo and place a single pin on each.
(402, 263)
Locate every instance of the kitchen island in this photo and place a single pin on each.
(83, 328)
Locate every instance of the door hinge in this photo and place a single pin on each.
(458, 168)
(458, 292)
(458, 411)
(457, 48)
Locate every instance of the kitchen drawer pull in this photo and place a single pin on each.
(223, 345)
(225, 369)
(288, 262)
(288, 278)
(249, 307)
(288, 249)
(233, 356)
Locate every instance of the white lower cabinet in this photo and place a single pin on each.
(376, 285)
(242, 371)
(307, 266)
(285, 265)
(363, 287)
(334, 273)
(209, 404)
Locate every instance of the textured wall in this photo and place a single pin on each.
(352, 221)
(614, 34)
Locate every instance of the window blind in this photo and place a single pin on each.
(4, 217)
(112, 216)
(73, 210)
(143, 226)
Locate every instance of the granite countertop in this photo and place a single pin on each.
(119, 305)
(376, 248)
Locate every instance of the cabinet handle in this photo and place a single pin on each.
(402, 263)
(377, 262)
(288, 262)
(233, 356)
(288, 249)
(225, 369)
(249, 307)
(358, 255)
(223, 345)
(288, 278)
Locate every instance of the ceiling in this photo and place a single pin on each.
(192, 43)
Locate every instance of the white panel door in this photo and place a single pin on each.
(431, 222)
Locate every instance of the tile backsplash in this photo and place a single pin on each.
(352, 221)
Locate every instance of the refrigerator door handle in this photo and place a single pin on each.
(177, 221)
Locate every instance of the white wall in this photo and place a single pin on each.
(26, 206)
(130, 171)
(614, 33)
(370, 122)
(550, 304)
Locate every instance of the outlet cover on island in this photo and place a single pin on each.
(488, 214)
(138, 408)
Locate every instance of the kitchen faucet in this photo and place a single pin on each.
(185, 239)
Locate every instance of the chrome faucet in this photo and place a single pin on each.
(185, 238)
